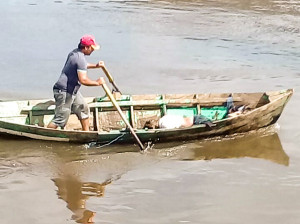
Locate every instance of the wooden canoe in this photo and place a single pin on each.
(29, 118)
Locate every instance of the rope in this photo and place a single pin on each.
(91, 144)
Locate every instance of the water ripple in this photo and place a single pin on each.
(8, 167)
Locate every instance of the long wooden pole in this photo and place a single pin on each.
(114, 102)
(111, 79)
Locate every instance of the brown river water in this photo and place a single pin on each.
(154, 46)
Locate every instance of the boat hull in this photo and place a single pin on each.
(263, 116)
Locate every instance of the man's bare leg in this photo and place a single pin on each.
(85, 123)
(52, 125)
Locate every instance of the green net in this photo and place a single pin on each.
(214, 113)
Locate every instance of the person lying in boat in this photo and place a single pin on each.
(66, 90)
(170, 121)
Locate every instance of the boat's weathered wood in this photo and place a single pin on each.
(96, 119)
(15, 117)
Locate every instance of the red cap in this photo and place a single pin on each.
(89, 40)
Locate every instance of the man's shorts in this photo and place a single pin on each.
(65, 104)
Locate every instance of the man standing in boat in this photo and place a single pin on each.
(66, 90)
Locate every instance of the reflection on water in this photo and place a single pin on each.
(265, 147)
(81, 176)
(75, 193)
(254, 145)
(263, 144)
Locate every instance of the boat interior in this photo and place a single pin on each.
(138, 109)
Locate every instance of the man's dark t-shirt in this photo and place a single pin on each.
(68, 80)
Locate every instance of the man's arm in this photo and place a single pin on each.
(85, 80)
(100, 64)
